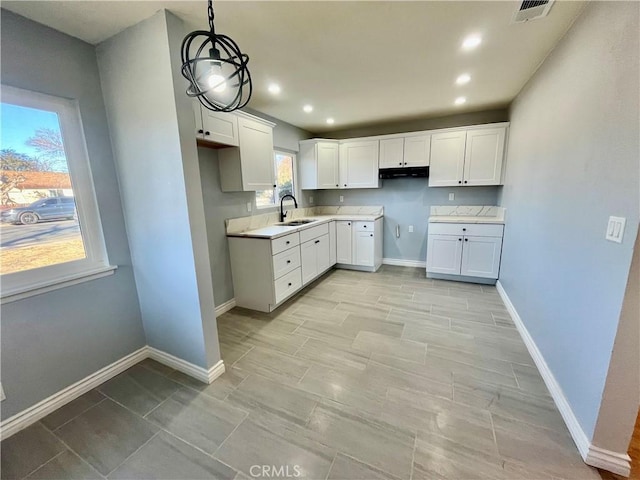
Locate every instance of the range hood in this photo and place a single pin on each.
(404, 172)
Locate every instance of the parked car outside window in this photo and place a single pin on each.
(54, 208)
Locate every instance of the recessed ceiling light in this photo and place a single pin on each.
(274, 88)
(330, 121)
(308, 108)
(471, 42)
(463, 79)
(460, 100)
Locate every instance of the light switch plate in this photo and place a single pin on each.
(410, 228)
(248, 206)
(452, 196)
(341, 199)
(615, 229)
(311, 200)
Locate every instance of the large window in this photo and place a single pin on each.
(50, 231)
(285, 166)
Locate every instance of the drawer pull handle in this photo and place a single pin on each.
(317, 241)
(207, 133)
(288, 242)
(466, 239)
(200, 131)
(349, 223)
(464, 229)
(465, 181)
(459, 239)
(459, 181)
(400, 163)
(371, 235)
(290, 284)
(288, 261)
(364, 226)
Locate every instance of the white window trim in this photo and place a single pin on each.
(19, 285)
(296, 191)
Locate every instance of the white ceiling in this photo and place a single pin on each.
(358, 62)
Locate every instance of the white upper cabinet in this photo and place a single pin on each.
(319, 164)
(359, 164)
(417, 151)
(217, 128)
(468, 157)
(249, 167)
(447, 158)
(483, 156)
(392, 152)
(403, 152)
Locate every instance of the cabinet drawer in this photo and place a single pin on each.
(288, 284)
(314, 232)
(286, 261)
(284, 243)
(363, 226)
(476, 229)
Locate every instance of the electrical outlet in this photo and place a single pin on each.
(341, 198)
(311, 200)
(2, 396)
(410, 228)
(248, 206)
(452, 196)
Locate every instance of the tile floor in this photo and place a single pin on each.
(361, 376)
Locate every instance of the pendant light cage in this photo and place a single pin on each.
(216, 69)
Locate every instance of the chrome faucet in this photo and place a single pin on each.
(283, 214)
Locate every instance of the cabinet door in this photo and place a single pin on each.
(309, 261)
(481, 256)
(483, 156)
(220, 127)
(343, 242)
(447, 159)
(417, 151)
(444, 254)
(256, 155)
(197, 113)
(363, 248)
(332, 243)
(359, 164)
(323, 253)
(327, 156)
(391, 153)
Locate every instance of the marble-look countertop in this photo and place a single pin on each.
(267, 225)
(467, 214)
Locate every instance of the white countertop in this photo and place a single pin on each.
(275, 231)
(464, 219)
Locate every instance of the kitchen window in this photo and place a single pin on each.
(50, 230)
(284, 165)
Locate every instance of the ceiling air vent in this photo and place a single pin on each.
(531, 10)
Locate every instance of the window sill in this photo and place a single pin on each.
(62, 282)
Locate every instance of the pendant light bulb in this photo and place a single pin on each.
(216, 80)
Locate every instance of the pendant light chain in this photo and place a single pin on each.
(212, 17)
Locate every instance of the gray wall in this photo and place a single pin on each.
(55, 339)
(152, 129)
(220, 206)
(406, 202)
(573, 162)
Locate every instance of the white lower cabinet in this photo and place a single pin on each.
(467, 251)
(315, 258)
(359, 244)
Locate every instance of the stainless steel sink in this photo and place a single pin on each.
(296, 223)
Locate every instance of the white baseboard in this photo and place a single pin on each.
(188, 368)
(404, 263)
(225, 307)
(619, 463)
(43, 408)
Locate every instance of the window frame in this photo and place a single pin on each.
(18, 285)
(296, 190)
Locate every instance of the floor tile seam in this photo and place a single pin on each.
(242, 356)
(546, 400)
(204, 452)
(43, 464)
(140, 364)
(515, 376)
(145, 389)
(213, 454)
(480, 357)
(493, 431)
(413, 456)
(326, 477)
(405, 371)
(161, 402)
(235, 388)
(68, 447)
(52, 430)
(133, 453)
(359, 460)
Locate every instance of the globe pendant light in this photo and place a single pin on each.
(216, 69)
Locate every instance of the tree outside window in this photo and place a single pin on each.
(285, 181)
